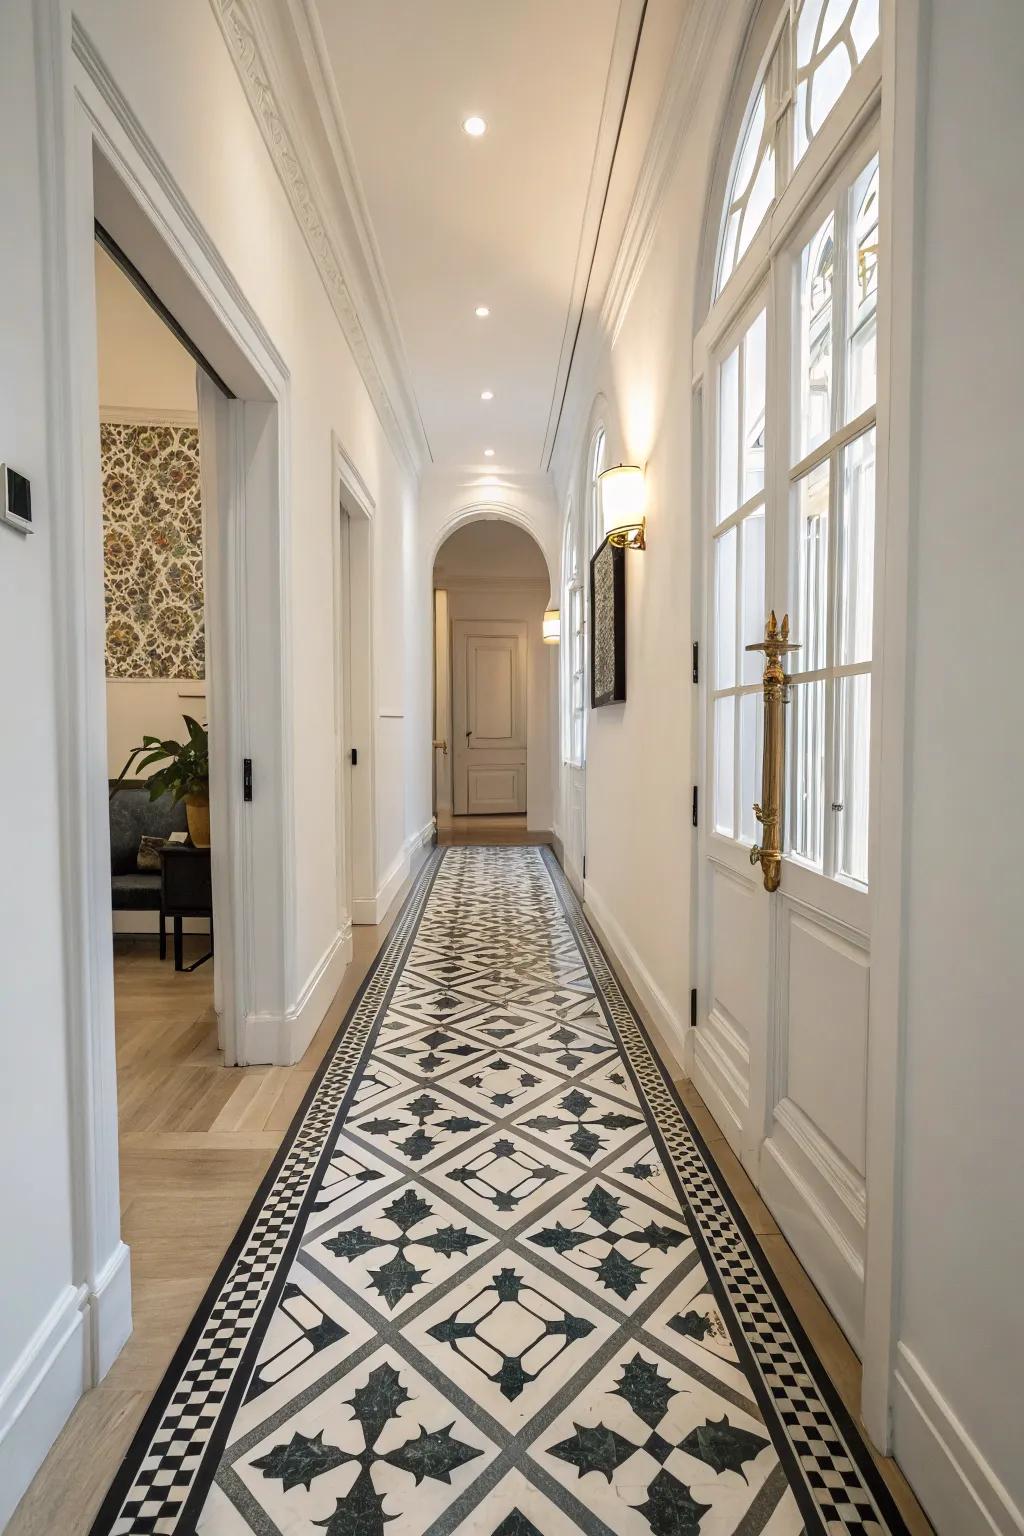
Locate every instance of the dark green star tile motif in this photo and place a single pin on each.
(300, 1461)
(398, 1276)
(646, 1390)
(581, 1122)
(619, 1268)
(432, 1453)
(670, 1509)
(516, 1524)
(724, 1446)
(597, 1449)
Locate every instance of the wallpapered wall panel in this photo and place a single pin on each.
(153, 550)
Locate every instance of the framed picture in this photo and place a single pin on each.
(608, 626)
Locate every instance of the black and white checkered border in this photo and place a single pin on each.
(847, 1505)
(154, 1501)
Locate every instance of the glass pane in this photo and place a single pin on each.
(856, 574)
(853, 715)
(725, 610)
(759, 201)
(725, 715)
(754, 364)
(752, 188)
(805, 776)
(810, 618)
(753, 610)
(863, 288)
(832, 36)
(816, 263)
(728, 435)
(751, 751)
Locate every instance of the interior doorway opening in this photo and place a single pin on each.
(493, 684)
(158, 730)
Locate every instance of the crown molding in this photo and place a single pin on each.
(273, 55)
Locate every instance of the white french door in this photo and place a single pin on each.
(780, 1047)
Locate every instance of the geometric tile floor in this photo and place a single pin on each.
(491, 1284)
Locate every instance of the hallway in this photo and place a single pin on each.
(518, 443)
(473, 1277)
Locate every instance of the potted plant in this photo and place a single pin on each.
(185, 777)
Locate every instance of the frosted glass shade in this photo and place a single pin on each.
(552, 627)
(622, 498)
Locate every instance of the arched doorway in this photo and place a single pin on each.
(495, 685)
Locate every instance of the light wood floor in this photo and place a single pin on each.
(456, 831)
(197, 1138)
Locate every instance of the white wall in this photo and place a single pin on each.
(640, 753)
(962, 1329)
(37, 1277)
(162, 57)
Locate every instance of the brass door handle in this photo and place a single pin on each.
(441, 746)
(775, 685)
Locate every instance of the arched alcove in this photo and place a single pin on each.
(494, 679)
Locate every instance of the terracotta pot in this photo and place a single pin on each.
(197, 812)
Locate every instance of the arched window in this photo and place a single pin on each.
(597, 462)
(584, 531)
(812, 59)
(792, 420)
(572, 649)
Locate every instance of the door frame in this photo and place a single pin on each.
(354, 691)
(98, 162)
(901, 136)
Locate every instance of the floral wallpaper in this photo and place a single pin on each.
(153, 550)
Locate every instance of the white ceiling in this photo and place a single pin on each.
(508, 219)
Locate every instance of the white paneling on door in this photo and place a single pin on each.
(780, 1048)
(489, 716)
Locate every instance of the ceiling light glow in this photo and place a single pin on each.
(487, 394)
(474, 126)
(481, 311)
(488, 453)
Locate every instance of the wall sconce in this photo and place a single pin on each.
(551, 629)
(622, 506)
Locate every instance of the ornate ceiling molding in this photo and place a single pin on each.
(383, 372)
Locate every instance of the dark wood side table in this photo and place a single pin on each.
(187, 892)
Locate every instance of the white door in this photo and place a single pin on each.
(780, 1047)
(489, 717)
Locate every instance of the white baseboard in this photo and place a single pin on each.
(645, 994)
(41, 1389)
(959, 1491)
(109, 1311)
(408, 862)
(281, 1039)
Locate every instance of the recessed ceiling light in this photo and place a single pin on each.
(487, 394)
(481, 311)
(474, 126)
(488, 453)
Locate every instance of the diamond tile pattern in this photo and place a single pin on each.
(494, 1287)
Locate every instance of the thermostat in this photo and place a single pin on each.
(15, 499)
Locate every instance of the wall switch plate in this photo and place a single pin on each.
(15, 499)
